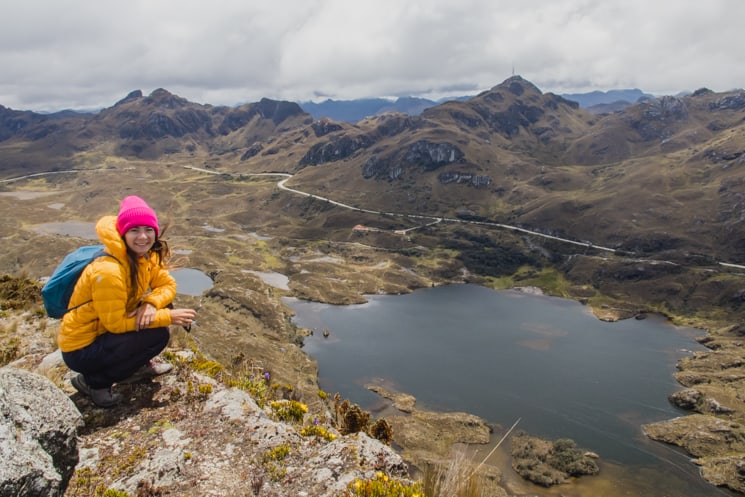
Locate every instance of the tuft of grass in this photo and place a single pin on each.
(10, 345)
(18, 292)
(271, 461)
(289, 410)
(456, 477)
(383, 486)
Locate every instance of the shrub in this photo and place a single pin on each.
(257, 384)
(382, 431)
(349, 417)
(289, 410)
(18, 293)
(383, 486)
(318, 431)
(277, 453)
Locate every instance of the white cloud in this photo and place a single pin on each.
(82, 54)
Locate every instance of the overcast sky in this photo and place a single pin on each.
(86, 54)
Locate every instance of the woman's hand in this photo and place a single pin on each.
(144, 316)
(183, 317)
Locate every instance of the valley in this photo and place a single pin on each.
(630, 213)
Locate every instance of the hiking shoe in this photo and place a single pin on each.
(149, 370)
(102, 397)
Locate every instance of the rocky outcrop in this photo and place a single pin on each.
(707, 438)
(736, 101)
(323, 127)
(337, 148)
(186, 433)
(38, 435)
(549, 463)
(394, 124)
(517, 116)
(467, 178)
(427, 437)
(234, 119)
(660, 117)
(424, 154)
(229, 444)
(430, 155)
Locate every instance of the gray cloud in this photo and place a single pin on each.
(82, 54)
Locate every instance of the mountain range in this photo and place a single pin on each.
(661, 176)
(355, 110)
(654, 191)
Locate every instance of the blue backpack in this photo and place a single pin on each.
(57, 291)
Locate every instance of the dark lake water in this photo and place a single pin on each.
(191, 281)
(504, 355)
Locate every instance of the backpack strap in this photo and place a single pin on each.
(100, 253)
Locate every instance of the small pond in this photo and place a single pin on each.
(191, 282)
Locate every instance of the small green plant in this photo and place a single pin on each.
(289, 410)
(85, 483)
(318, 431)
(160, 426)
(383, 486)
(210, 368)
(198, 363)
(110, 492)
(277, 453)
(271, 460)
(257, 383)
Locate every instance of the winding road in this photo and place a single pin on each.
(429, 220)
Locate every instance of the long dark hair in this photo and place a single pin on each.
(160, 250)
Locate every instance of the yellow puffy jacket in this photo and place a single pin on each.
(103, 293)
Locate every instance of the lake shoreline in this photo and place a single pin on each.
(408, 445)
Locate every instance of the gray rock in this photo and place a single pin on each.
(688, 399)
(38, 435)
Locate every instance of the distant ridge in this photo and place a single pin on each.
(355, 110)
(592, 98)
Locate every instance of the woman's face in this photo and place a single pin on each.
(140, 239)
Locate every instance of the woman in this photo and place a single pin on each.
(120, 306)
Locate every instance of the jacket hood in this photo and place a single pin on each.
(109, 236)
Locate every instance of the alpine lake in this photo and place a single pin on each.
(510, 355)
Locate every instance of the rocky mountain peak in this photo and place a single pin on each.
(518, 86)
(133, 95)
(164, 98)
(278, 111)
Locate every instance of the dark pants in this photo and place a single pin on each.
(115, 356)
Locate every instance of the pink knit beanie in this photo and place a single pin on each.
(135, 212)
